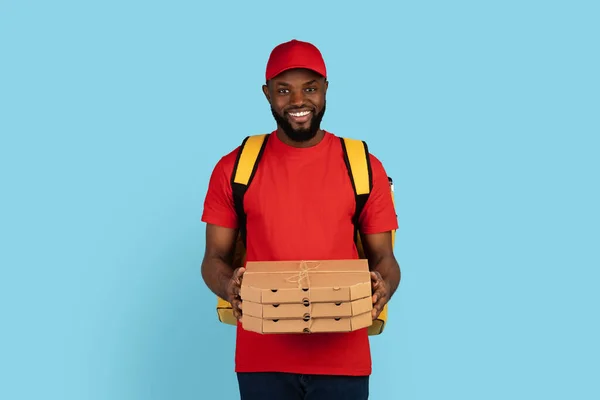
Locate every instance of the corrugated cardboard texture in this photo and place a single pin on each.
(301, 281)
(358, 265)
(306, 296)
(310, 310)
(320, 325)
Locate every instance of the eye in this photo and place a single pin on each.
(311, 89)
(282, 91)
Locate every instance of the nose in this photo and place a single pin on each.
(297, 97)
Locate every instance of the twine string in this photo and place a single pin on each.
(302, 275)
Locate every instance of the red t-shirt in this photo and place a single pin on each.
(300, 205)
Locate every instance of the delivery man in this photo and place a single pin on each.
(299, 207)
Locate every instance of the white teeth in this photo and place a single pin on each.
(300, 114)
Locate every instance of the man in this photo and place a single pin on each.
(299, 206)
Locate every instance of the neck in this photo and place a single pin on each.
(309, 143)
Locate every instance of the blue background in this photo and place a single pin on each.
(113, 113)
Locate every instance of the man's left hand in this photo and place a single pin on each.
(380, 293)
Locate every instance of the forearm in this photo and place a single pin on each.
(388, 268)
(217, 273)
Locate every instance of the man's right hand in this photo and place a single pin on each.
(233, 292)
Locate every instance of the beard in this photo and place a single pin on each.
(302, 134)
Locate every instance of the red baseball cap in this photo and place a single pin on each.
(295, 54)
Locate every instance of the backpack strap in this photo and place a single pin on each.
(358, 162)
(391, 181)
(244, 169)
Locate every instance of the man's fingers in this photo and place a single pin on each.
(236, 282)
(380, 293)
(375, 277)
(379, 300)
(376, 283)
(239, 272)
(237, 303)
(374, 313)
(376, 310)
(237, 308)
(234, 291)
(237, 276)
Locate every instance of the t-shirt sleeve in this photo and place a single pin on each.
(218, 203)
(379, 214)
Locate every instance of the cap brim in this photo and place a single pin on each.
(287, 68)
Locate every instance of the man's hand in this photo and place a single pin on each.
(385, 271)
(217, 270)
(381, 293)
(233, 292)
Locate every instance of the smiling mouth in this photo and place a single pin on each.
(300, 116)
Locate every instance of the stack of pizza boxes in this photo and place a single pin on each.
(306, 296)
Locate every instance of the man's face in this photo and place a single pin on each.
(297, 99)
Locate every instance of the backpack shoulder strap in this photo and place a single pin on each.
(391, 182)
(244, 169)
(358, 162)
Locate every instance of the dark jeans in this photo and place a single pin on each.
(283, 386)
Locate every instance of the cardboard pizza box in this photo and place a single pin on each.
(316, 325)
(281, 282)
(306, 296)
(308, 310)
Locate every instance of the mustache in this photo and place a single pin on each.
(298, 108)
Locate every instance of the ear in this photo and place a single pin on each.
(265, 89)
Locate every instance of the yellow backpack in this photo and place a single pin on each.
(356, 157)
